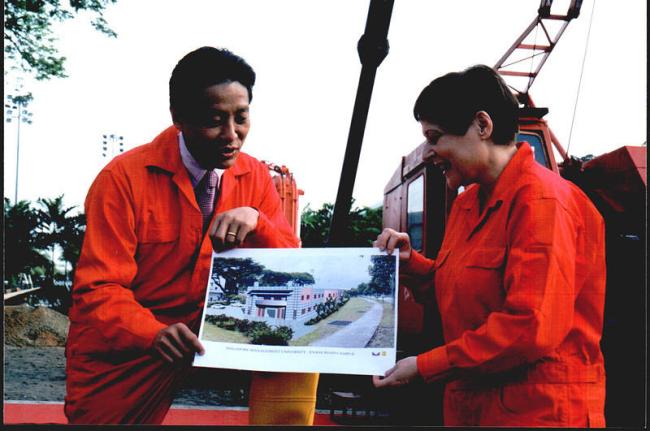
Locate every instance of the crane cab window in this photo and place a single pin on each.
(537, 145)
(415, 212)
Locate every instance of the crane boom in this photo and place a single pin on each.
(515, 59)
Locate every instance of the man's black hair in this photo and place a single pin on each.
(201, 69)
(452, 100)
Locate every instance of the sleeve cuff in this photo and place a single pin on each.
(264, 228)
(150, 334)
(417, 264)
(434, 364)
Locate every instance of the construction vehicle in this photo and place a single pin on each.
(289, 193)
(417, 201)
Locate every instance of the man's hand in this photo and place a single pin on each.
(177, 342)
(390, 239)
(230, 228)
(405, 371)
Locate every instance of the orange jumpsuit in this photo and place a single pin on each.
(145, 265)
(521, 291)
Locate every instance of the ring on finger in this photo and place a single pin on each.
(233, 234)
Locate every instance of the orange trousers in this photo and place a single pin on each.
(141, 391)
(282, 399)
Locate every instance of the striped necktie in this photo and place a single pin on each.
(205, 192)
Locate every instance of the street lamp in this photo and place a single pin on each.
(16, 109)
(112, 145)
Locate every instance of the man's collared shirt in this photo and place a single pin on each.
(193, 168)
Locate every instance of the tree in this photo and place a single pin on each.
(274, 278)
(382, 272)
(22, 253)
(236, 273)
(364, 226)
(320, 310)
(315, 225)
(53, 220)
(57, 226)
(29, 39)
(71, 240)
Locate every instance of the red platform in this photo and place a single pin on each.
(52, 413)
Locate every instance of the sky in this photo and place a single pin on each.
(304, 54)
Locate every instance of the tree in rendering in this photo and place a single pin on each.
(382, 271)
(231, 274)
(275, 278)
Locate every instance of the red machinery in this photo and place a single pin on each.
(289, 193)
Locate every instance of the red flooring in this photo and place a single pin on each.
(52, 413)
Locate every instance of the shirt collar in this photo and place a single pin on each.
(195, 170)
(511, 173)
(503, 186)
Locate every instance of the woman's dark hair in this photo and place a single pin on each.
(452, 100)
(201, 69)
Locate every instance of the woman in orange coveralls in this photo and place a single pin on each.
(520, 275)
(140, 282)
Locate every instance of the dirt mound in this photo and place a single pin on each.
(27, 326)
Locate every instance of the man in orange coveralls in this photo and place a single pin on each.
(520, 275)
(140, 282)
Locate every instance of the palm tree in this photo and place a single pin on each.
(72, 237)
(22, 242)
(56, 229)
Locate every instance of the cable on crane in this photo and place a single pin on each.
(582, 69)
(532, 57)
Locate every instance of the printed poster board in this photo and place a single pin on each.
(328, 310)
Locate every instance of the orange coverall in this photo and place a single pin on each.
(521, 291)
(145, 265)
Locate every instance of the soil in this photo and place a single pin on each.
(38, 374)
(34, 326)
(34, 364)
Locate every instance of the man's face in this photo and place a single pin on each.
(216, 132)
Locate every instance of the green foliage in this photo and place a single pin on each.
(364, 226)
(258, 332)
(325, 309)
(237, 272)
(382, 282)
(244, 326)
(32, 235)
(232, 274)
(59, 229)
(274, 278)
(29, 42)
(382, 272)
(272, 337)
(23, 243)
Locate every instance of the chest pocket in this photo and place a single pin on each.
(159, 233)
(441, 258)
(486, 258)
(481, 278)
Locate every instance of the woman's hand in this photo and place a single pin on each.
(390, 239)
(230, 228)
(405, 371)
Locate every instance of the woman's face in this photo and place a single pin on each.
(462, 159)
